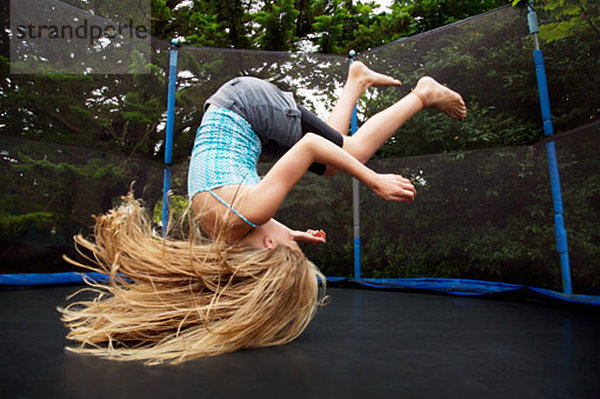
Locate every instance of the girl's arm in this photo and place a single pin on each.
(265, 198)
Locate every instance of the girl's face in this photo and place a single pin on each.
(270, 235)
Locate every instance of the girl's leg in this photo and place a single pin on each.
(335, 129)
(428, 93)
(359, 79)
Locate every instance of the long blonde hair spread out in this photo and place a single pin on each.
(173, 300)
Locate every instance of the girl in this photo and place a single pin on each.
(247, 284)
(247, 113)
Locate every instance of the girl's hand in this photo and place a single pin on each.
(315, 236)
(393, 188)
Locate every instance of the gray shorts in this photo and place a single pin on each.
(272, 113)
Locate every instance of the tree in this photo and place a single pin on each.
(431, 14)
(277, 25)
(331, 26)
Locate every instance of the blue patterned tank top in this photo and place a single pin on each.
(225, 152)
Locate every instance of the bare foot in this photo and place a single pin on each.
(434, 95)
(362, 74)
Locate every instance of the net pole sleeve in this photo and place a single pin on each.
(355, 196)
(559, 220)
(169, 135)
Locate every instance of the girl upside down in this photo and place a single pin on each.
(245, 283)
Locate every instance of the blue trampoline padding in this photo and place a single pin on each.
(457, 287)
(336, 279)
(452, 286)
(469, 288)
(37, 279)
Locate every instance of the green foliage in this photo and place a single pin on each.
(569, 18)
(178, 204)
(431, 14)
(161, 14)
(215, 23)
(332, 26)
(98, 170)
(13, 226)
(277, 22)
(432, 132)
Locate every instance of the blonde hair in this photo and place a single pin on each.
(173, 300)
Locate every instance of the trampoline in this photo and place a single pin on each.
(364, 344)
(462, 294)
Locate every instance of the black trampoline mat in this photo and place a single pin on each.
(364, 344)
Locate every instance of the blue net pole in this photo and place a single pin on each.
(559, 221)
(355, 195)
(169, 136)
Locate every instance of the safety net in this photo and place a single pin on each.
(72, 144)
